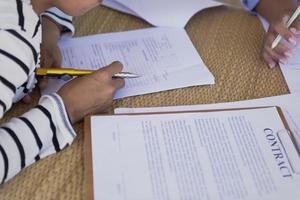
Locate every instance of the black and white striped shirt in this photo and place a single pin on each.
(45, 129)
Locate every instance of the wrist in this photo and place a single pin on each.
(55, 106)
(73, 115)
(273, 11)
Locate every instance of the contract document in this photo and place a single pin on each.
(163, 13)
(242, 154)
(165, 58)
(289, 105)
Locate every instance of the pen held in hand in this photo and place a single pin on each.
(289, 23)
(126, 75)
(67, 73)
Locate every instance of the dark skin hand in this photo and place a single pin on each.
(50, 52)
(92, 93)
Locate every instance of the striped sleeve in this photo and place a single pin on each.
(249, 4)
(18, 56)
(42, 131)
(62, 19)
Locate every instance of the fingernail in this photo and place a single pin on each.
(288, 54)
(271, 65)
(293, 30)
(292, 41)
(283, 61)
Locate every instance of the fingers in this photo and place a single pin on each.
(107, 72)
(295, 27)
(113, 68)
(280, 54)
(118, 83)
(269, 60)
(43, 83)
(47, 61)
(283, 51)
(288, 35)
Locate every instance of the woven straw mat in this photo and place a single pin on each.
(229, 42)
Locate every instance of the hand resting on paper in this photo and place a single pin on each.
(92, 93)
(277, 14)
(50, 52)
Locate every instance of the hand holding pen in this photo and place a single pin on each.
(69, 73)
(92, 93)
(281, 38)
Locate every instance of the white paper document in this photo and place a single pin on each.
(164, 57)
(290, 71)
(290, 105)
(221, 155)
(164, 13)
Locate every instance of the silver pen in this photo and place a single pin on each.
(126, 75)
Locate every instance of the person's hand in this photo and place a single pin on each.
(284, 50)
(92, 93)
(277, 13)
(50, 52)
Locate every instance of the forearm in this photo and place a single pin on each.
(273, 10)
(55, 24)
(50, 27)
(50, 52)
